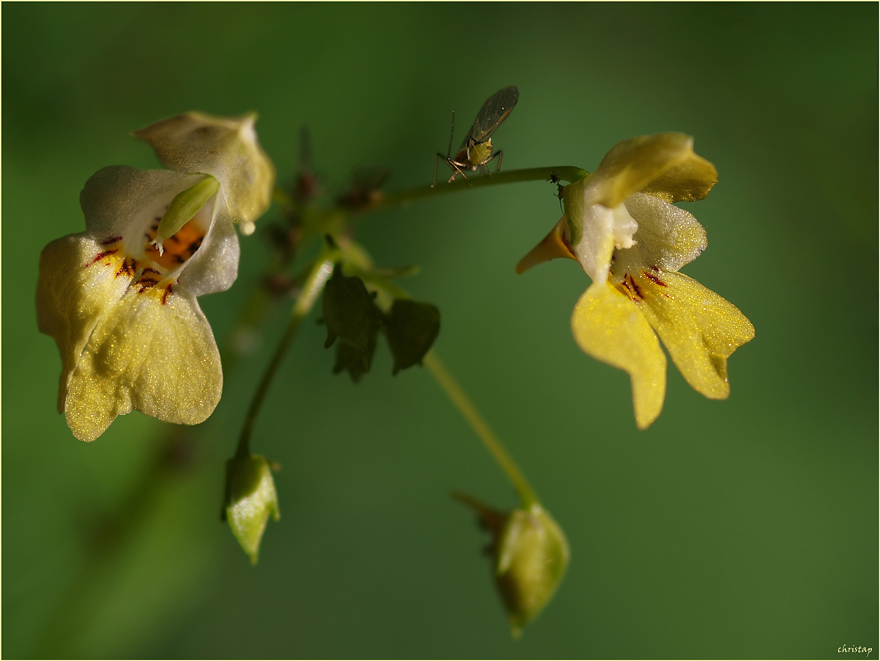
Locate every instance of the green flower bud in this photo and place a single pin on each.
(250, 500)
(530, 554)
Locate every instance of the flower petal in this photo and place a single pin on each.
(590, 230)
(214, 266)
(224, 147)
(610, 327)
(74, 291)
(160, 359)
(121, 201)
(667, 238)
(699, 328)
(663, 164)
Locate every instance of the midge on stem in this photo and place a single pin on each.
(476, 150)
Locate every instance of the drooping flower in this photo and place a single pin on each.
(621, 225)
(120, 298)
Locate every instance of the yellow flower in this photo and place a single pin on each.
(120, 298)
(620, 223)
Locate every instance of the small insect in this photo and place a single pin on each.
(476, 150)
(554, 179)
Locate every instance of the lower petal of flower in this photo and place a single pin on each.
(610, 327)
(699, 328)
(80, 280)
(151, 352)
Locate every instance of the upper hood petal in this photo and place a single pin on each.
(224, 147)
(663, 164)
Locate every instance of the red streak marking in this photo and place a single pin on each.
(653, 278)
(113, 240)
(638, 292)
(102, 255)
(168, 292)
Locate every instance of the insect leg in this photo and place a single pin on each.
(499, 154)
(458, 171)
(436, 159)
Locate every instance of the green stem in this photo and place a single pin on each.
(565, 173)
(492, 443)
(312, 288)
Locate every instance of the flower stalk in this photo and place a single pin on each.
(484, 432)
(312, 288)
(401, 198)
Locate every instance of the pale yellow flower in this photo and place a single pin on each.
(620, 223)
(120, 298)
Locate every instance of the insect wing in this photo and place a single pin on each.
(494, 111)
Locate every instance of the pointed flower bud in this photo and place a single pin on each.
(250, 500)
(530, 554)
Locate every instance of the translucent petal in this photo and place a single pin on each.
(224, 147)
(596, 244)
(74, 290)
(699, 328)
(122, 201)
(158, 359)
(663, 164)
(610, 327)
(667, 238)
(214, 266)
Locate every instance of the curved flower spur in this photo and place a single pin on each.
(621, 225)
(120, 298)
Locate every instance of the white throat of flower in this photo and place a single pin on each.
(139, 258)
(603, 230)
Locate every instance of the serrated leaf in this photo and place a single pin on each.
(411, 329)
(350, 313)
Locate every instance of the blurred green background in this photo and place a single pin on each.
(738, 529)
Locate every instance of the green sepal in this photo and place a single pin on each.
(184, 206)
(530, 555)
(411, 329)
(250, 500)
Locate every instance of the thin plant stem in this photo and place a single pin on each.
(565, 172)
(312, 288)
(491, 442)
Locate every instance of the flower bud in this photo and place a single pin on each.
(530, 554)
(250, 500)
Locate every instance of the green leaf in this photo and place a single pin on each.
(350, 312)
(411, 329)
(355, 362)
(351, 315)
